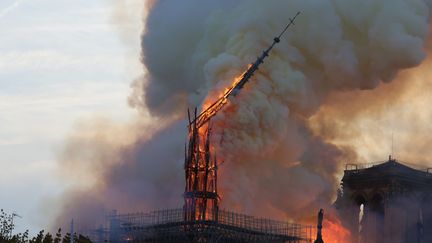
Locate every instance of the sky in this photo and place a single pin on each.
(61, 62)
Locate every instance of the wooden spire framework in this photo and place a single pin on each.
(200, 196)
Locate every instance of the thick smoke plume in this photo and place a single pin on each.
(279, 162)
(264, 134)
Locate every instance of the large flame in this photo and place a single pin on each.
(212, 105)
(223, 97)
(334, 232)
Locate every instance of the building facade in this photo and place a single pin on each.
(386, 202)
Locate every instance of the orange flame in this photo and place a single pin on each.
(334, 232)
(211, 105)
(210, 98)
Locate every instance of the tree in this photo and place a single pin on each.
(6, 233)
(48, 238)
(6, 229)
(58, 237)
(38, 238)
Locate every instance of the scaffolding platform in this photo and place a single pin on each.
(170, 226)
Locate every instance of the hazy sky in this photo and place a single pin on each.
(61, 62)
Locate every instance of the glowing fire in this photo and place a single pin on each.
(334, 232)
(210, 107)
(223, 99)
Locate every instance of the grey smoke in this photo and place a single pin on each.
(335, 46)
(275, 165)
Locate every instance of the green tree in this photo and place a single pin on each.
(58, 237)
(6, 229)
(38, 238)
(66, 238)
(6, 233)
(48, 238)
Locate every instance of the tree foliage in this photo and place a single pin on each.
(7, 235)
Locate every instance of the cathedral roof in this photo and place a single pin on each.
(391, 171)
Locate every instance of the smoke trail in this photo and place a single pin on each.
(278, 162)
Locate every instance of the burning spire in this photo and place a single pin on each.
(201, 197)
(239, 83)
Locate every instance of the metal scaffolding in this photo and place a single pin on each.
(170, 226)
